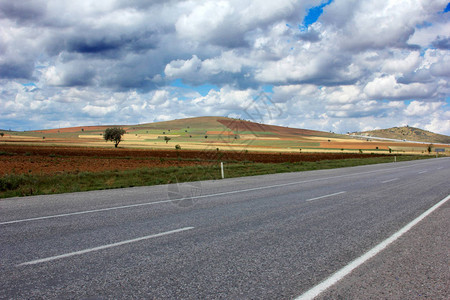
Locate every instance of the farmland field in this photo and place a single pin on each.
(34, 170)
(78, 159)
(24, 159)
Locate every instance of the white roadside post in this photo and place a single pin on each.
(221, 170)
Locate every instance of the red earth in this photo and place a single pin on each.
(21, 159)
(241, 125)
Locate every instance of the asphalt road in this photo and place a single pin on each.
(262, 237)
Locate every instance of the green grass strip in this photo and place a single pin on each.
(13, 185)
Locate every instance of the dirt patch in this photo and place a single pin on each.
(227, 133)
(356, 146)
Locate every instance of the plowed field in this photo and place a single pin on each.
(51, 160)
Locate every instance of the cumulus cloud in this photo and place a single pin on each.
(388, 88)
(90, 62)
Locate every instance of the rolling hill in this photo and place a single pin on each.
(223, 125)
(407, 133)
(221, 133)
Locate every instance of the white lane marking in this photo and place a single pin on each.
(440, 168)
(325, 196)
(321, 287)
(203, 196)
(422, 172)
(47, 259)
(86, 212)
(390, 180)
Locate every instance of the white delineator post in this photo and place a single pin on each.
(221, 170)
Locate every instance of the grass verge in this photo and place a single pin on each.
(13, 185)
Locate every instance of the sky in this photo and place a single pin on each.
(340, 66)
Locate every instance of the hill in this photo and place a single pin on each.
(226, 126)
(407, 133)
(220, 133)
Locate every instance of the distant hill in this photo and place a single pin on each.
(223, 124)
(407, 133)
(232, 134)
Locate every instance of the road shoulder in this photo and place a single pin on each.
(416, 266)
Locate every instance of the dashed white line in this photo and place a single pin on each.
(390, 180)
(199, 197)
(86, 212)
(47, 259)
(326, 196)
(422, 172)
(321, 287)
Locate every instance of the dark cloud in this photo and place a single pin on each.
(100, 45)
(24, 11)
(79, 77)
(14, 69)
(310, 36)
(421, 76)
(442, 42)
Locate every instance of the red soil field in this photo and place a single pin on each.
(355, 146)
(240, 125)
(21, 159)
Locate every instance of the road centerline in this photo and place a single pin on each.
(390, 180)
(326, 196)
(80, 252)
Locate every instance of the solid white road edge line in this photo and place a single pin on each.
(47, 259)
(390, 180)
(202, 196)
(321, 287)
(325, 196)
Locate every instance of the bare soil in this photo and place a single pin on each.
(20, 159)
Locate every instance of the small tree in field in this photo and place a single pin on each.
(114, 134)
(2, 134)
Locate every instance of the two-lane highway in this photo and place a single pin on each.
(265, 237)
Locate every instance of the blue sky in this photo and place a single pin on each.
(342, 65)
(314, 13)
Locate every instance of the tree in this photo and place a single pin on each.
(114, 134)
(167, 139)
(2, 134)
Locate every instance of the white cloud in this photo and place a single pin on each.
(417, 108)
(209, 20)
(407, 61)
(439, 123)
(182, 68)
(89, 62)
(388, 88)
